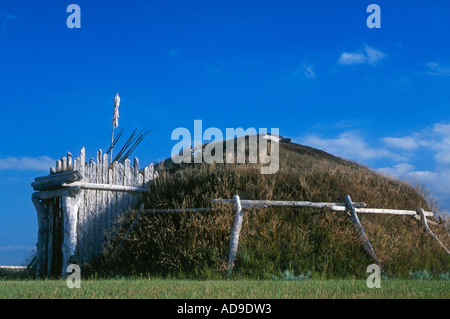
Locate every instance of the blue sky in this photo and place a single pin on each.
(313, 69)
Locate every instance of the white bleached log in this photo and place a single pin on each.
(69, 164)
(427, 229)
(106, 187)
(234, 240)
(383, 211)
(275, 203)
(111, 199)
(82, 161)
(127, 182)
(91, 209)
(58, 166)
(63, 164)
(361, 233)
(70, 207)
(104, 194)
(116, 196)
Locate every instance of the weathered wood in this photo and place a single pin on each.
(127, 182)
(55, 180)
(98, 203)
(135, 197)
(148, 174)
(102, 192)
(81, 224)
(58, 166)
(82, 161)
(359, 206)
(181, 210)
(70, 207)
(136, 168)
(76, 164)
(64, 164)
(104, 195)
(427, 229)
(13, 268)
(120, 196)
(361, 233)
(45, 195)
(69, 161)
(383, 211)
(84, 214)
(110, 200)
(269, 203)
(106, 187)
(141, 181)
(115, 181)
(234, 240)
(91, 209)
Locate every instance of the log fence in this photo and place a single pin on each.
(353, 208)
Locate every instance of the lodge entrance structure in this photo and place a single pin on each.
(78, 203)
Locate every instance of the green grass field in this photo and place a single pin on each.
(225, 289)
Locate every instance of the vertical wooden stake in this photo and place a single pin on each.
(361, 233)
(427, 228)
(234, 240)
(70, 207)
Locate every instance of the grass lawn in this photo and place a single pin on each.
(225, 289)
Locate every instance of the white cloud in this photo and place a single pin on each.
(15, 248)
(435, 139)
(397, 170)
(349, 145)
(433, 68)
(368, 55)
(41, 163)
(405, 143)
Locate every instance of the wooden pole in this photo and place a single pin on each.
(70, 207)
(112, 141)
(278, 203)
(234, 240)
(361, 233)
(427, 228)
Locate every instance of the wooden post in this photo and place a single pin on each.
(63, 164)
(69, 162)
(234, 240)
(428, 230)
(361, 233)
(58, 166)
(70, 207)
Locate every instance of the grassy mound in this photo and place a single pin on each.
(195, 245)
